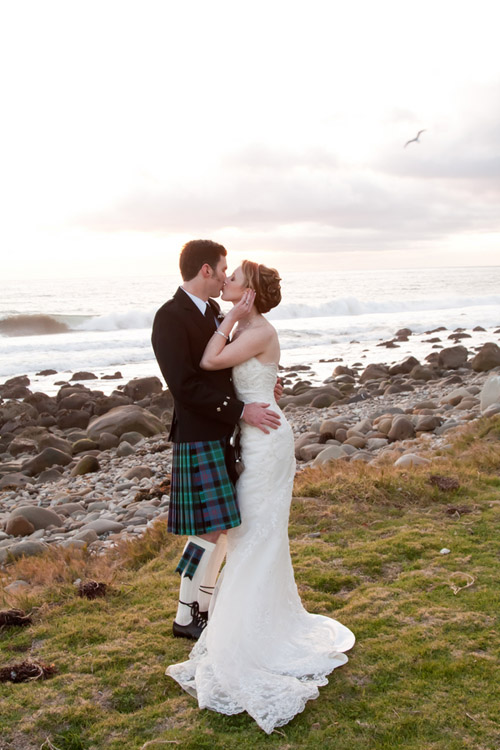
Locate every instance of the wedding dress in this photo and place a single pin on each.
(261, 651)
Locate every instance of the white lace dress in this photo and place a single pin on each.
(261, 651)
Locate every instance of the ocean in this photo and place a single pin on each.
(104, 325)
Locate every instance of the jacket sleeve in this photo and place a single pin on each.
(183, 376)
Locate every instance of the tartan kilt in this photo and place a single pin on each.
(202, 496)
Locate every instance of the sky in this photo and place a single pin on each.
(276, 128)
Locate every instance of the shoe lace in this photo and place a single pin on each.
(199, 618)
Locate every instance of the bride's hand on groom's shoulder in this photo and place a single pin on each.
(259, 415)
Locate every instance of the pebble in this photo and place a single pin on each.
(93, 506)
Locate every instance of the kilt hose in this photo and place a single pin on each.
(202, 497)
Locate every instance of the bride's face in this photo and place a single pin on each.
(234, 286)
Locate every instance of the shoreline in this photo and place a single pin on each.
(82, 469)
(321, 357)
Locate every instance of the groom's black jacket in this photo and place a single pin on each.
(205, 405)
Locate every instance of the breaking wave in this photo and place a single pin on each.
(136, 319)
(32, 325)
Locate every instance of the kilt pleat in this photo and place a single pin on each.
(202, 497)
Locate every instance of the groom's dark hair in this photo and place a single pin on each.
(196, 253)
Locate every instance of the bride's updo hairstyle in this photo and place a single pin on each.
(266, 284)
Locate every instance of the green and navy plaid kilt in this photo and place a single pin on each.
(202, 497)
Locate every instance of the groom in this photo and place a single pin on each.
(206, 411)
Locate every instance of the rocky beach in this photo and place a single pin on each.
(84, 469)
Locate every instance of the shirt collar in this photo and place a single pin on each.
(200, 303)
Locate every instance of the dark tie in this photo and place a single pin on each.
(209, 315)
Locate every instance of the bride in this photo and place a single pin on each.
(261, 652)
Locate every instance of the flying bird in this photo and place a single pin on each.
(414, 140)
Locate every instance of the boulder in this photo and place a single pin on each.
(401, 429)
(343, 370)
(131, 437)
(20, 445)
(104, 404)
(487, 358)
(428, 422)
(19, 526)
(410, 459)
(404, 367)
(139, 388)
(329, 427)
(373, 444)
(125, 419)
(17, 411)
(28, 548)
(452, 357)
(48, 440)
(403, 333)
(490, 393)
(138, 472)
(384, 425)
(102, 526)
(491, 410)
(86, 534)
(330, 453)
(67, 390)
(47, 458)
(15, 391)
(374, 372)
(363, 426)
(322, 401)
(49, 475)
(75, 401)
(308, 452)
(107, 441)
(41, 518)
(86, 465)
(41, 402)
(421, 372)
(357, 441)
(456, 396)
(14, 479)
(73, 418)
(84, 376)
(125, 449)
(307, 438)
(17, 380)
(85, 444)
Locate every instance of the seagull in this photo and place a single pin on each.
(414, 140)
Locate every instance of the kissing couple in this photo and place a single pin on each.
(258, 650)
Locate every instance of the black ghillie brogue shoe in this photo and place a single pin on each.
(195, 628)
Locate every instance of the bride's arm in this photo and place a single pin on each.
(219, 356)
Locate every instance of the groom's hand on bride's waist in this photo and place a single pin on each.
(259, 415)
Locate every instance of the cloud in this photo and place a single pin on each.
(309, 193)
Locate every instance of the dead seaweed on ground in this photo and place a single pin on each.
(92, 589)
(157, 491)
(27, 671)
(444, 483)
(11, 617)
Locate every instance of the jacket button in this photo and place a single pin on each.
(218, 408)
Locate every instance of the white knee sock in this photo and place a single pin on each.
(188, 592)
(211, 572)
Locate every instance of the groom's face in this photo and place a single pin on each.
(218, 278)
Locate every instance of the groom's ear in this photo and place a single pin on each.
(206, 271)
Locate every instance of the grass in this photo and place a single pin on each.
(366, 547)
